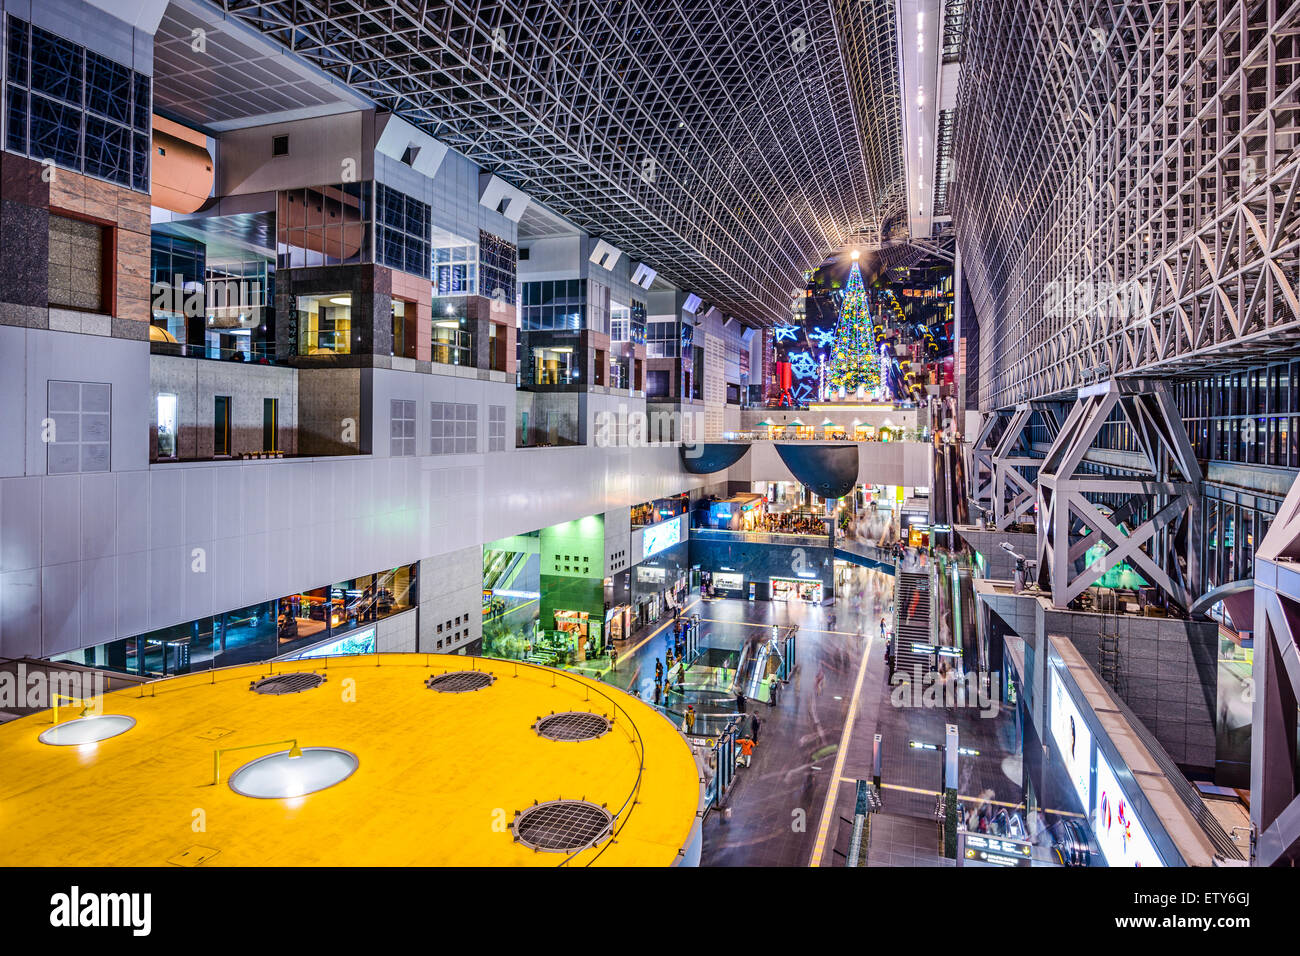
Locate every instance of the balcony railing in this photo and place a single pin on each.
(760, 537)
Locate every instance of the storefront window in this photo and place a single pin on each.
(325, 324)
(795, 589)
(166, 426)
(553, 365)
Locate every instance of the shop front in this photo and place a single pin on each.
(796, 589)
(619, 622)
(728, 583)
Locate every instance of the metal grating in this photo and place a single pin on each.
(562, 826)
(727, 141)
(573, 725)
(287, 684)
(459, 682)
(1124, 189)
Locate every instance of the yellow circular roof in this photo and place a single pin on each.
(440, 778)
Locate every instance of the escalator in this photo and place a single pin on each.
(949, 493)
(913, 652)
(958, 630)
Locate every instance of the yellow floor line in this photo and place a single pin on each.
(828, 809)
(628, 652)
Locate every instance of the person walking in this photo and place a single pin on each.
(754, 725)
(658, 691)
(746, 749)
(773, 687)
(613, 657)
(690, 718)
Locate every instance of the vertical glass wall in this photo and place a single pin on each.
(325, 324)
(261, 631)
(324, 225)
(452, 339)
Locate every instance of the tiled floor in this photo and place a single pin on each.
(904, 841)
(777, 804)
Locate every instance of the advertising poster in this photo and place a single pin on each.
(1120, 834)
(1072, 739)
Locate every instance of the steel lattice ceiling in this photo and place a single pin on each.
(720, 140)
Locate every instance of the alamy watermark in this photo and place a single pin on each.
(38, 689)
(1127, 300)
(625, 428)
(976, 689)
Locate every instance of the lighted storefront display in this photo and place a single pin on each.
(359, 642)
(660, 538)
(728, 581)
(796, 589)
(325, 324)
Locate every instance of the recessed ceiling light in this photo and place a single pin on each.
(341, 300)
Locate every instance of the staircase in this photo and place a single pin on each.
(912, 600)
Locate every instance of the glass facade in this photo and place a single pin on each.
(402, 231)
(324, 225)
(498, 267)
(325, 324)
(452, 341)
(1250, 416)
(177, 269)
(70, 106)
(559, 304)
(261, 631)
(662, 340)
(455, 270)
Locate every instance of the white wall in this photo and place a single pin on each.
(31, 358)
(556, 258)
(318, 148)
(879, 463)
(86, 559)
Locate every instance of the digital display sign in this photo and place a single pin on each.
(996, 851)
(1072, 738)
(1120, 834)
(661, 537)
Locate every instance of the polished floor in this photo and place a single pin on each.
(792, 805)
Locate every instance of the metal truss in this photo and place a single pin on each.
(716, 138)
(1274, 772)
(1154, 498)
(981, 460)
(1015, 464)
(1126, 188)
(868, 34)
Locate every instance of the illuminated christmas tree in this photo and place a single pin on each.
(854, 360)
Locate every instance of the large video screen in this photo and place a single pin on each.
(660, 537)
(1072, 738)
(1120, 834)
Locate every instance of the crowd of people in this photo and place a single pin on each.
(791, 522)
